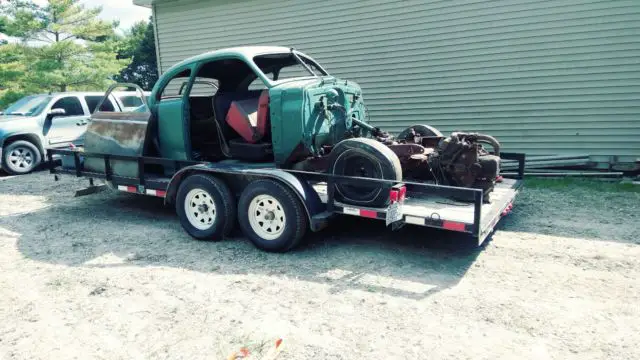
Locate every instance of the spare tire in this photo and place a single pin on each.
(363, 157)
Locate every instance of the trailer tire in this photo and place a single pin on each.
(271, 216)
(213, 207)
(372, 160)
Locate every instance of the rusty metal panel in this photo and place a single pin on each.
(116, 134)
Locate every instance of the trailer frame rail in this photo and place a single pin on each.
(158, 187)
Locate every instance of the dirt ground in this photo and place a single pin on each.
(114, 276)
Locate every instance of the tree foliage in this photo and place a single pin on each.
(62, 46)
(12, 70)
(138, 45)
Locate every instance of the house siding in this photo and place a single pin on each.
(544, 77)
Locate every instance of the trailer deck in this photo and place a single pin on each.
(441, 212)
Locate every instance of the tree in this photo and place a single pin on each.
(12, 69)
(64, 46)
(3, 24)
(139, 45)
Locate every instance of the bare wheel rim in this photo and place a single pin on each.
(21, 159)
(266, 217)
(200, 209)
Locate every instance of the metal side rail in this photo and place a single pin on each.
(153, 186)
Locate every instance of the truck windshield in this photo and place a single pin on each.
(288, 66)
(28, 105)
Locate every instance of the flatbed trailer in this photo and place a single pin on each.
(411, 203)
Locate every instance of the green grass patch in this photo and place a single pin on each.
(586, 183)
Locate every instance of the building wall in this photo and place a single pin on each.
(544, 77)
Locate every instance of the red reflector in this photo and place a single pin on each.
(403, 193)
(131, 189)
(507, 210)
(369, 213)
(452, 225)
(161, 193)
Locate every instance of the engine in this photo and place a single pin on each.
(456, 160)
(423, 154)
(461, 160)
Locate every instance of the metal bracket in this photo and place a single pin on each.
(91, 190)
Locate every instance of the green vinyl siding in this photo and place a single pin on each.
(545, 77)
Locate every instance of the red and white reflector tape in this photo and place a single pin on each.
(453, 225)
(158, 193)
(360, 212)
(133, 189)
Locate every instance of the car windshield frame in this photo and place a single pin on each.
(288, 59)
(31, 105)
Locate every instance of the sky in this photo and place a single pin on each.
(120, 9)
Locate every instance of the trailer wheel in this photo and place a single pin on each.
(367, 158)
(206, 207)
(271, 216)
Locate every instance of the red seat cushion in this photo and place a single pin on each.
(263, 113)
(250, 117)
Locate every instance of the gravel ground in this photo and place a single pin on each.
(113, 276)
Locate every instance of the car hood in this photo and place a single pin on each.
(13, 118)
(12, 123)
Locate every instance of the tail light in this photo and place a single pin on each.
(398, 194)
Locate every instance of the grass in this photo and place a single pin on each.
(591, 184)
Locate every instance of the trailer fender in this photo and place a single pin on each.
(305, 192)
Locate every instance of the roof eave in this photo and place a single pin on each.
(143, 3)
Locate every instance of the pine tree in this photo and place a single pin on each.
(63, 45)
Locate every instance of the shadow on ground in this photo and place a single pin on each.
(113, 229)
(352, 254)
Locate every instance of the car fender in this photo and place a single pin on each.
(305, 192)
(31, 136)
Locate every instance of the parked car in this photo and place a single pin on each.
(39, 122)
(130, 100)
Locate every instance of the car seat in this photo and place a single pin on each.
(244, 118)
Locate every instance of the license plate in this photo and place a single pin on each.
(394, 212)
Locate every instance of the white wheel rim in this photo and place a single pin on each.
(266, 217)
(21, 159)
(200, 209)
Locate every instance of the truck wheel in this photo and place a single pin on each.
(20, 157)
(206, 207)
(271, 216)
(363, 157)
